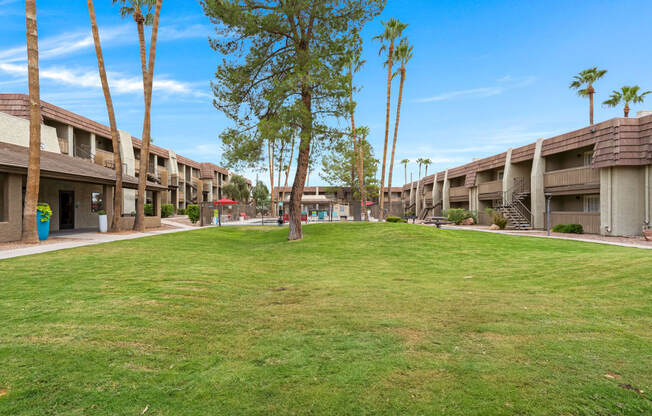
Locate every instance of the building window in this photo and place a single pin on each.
(591, 203)
(96, 202)
(588, 159)
(500, 175)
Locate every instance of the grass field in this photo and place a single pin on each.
(355, 319)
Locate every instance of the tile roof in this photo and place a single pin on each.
(61, 166)
(153, 149)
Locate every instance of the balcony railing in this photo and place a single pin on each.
(458, 192)
(104, 158)
(174, 180)
(490, 187)
(206, 186)
(590, 221)
(573, 176)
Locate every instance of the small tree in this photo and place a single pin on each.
(237, 189)
(339, 166)
(260, 195)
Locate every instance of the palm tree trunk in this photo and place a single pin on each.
(280, 170)
(591, 108)
(357, 150)
(270, 156)
(426, 171)
(29, 232)
(115, 136)
(148, 76)
(626, 110)
(389, 92)
(398, 115)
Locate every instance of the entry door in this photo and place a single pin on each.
(66, 210)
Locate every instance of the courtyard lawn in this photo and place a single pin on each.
(355, 319)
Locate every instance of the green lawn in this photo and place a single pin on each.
(355, 319)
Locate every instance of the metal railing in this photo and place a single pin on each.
(514, 196)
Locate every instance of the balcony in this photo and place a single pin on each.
(458, 193)
(590, 220)
(491, 188)
(206, 186)
(573, 179)
(104, 158)
(174, 180)
(63, 145)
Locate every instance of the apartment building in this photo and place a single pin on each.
(78, 170)
(598, 176)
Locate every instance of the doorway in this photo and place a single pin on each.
(66, 210)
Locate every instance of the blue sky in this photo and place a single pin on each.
(486, 75)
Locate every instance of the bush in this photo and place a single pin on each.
(149, 210)
(457, 215)
(395, 219)
(193, 213)
(568, 228)
(181, 211)
(167, 210)
(101, 212)
(499, 220)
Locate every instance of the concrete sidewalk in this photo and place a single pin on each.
(85, 239)
(529, 233)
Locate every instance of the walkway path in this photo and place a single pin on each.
(80, 239)
(587, 238)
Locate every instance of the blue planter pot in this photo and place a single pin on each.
(43, 228)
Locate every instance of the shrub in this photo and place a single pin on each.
(45, 211)
(568, 228)
(101, 212)
(181, 211)
(395, 219)
(149, 210)
(193, 213)
(456, 215)
(499, 220)
(472, 214)
(490, 212)
(167, 210)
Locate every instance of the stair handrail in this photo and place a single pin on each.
(519, 187)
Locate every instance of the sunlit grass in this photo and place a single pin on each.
(354, 319)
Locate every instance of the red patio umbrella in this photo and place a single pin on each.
(219, 203)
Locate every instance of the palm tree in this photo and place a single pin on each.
(29, 232)
(403, 54)
(115, 136)
(392, 31)
(420, 162)
(287, 171)
(587, 77)
(626, 95)
(426, 162)
(363, 132)
(135, 9)
(405, 162)
(355, 64)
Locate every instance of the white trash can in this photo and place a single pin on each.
(103, 223)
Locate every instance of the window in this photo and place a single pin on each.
(591, 203)
(588, 159)
(500, 175)
(96, 202)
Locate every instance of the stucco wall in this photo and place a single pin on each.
(15, 130)
(84, 218)
(11, 222)
(622, 200)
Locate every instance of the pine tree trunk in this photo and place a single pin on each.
(389, 92)
(287, 173)
(148, 76)
(115, 136)
(29, 232)
(303, 161)
(398, 116)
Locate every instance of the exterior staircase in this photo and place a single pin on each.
(514, 209)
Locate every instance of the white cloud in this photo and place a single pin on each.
(119, 83)
(507, 83)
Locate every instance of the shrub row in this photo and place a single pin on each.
(167, 210)
(457, 215)
(568, 228)
(395, 219)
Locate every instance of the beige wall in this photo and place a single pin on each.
(622, 200)
(84, 218)
(11, 222)
(15, 130)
